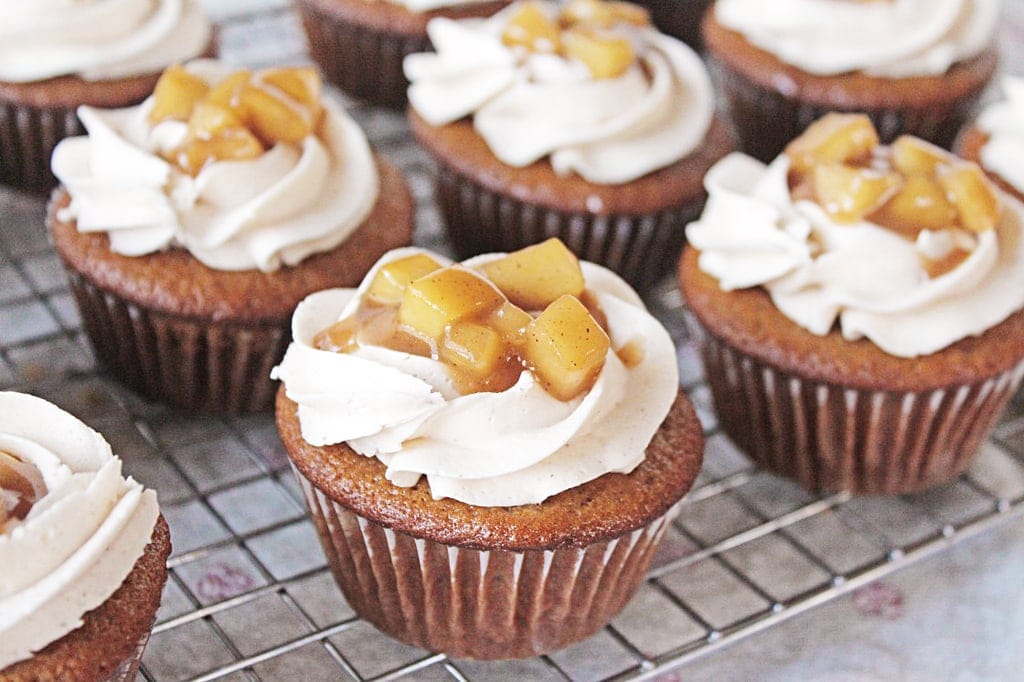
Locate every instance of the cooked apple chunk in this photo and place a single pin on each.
(271, 118)
(605, 56)
(300, 84)
(444, 296)
(531, 27)
(511, 322)
(535, 276)
(838, 138)
(920, 204)
(175, 94)
(473, 347)
(973, 196)
(565, 348)
(388, 285)
(848, 194)
(604, 14)
(913, 156)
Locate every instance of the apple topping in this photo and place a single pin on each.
(21, 486)
(534, 277)
(907, 187)
(603, 14)
(531, 27)
(566, 348)
(239, 117)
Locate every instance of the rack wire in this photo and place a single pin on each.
(249, 595)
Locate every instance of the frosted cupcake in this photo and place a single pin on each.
(490, 450)
(581, 122)
(996, 140)
(84, 550)
(360, 44)
(914, 66)
(56, 56)
(861, 307)
(191, 226)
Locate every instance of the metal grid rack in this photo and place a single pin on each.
(249, 596)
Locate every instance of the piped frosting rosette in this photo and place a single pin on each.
(1003, 122)
(293, 200)
(894, 38)
(513, 447)
(530, 104)
(78, 541)
(97, 39)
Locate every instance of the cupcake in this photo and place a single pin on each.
(583, 123)
(490, 450)
(996, 140)
(191, 225)
(914, 66)
(678, 18)
(57, 56)
(84, 550)
(859, 306)
(359, 44)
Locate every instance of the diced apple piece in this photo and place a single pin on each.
(340, 337)
(920, 204)
(301, 84)
(535, 276)
(388, 285)
(605, 56)
(175, 94)
(227, 92)
(913, 156)
(445, 296)
(848, 194)
(838, 138)
(565, 348)
(473, 347)
(510, 321)
(271, 119)
(209, 120)
(973, 196)
(25, 481)
(532, 28)
(604, 14)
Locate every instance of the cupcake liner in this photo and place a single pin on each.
(640, 248)
(28, 136)
(197, 365)
(362, 60)
(678, 18)
(129, 668)
(474, 603)
(831, 437)
(766, 120)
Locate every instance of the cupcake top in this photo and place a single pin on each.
(593, 86)
(905, 245)
(71, 527)
(97, 39)
(504, 379)
(888, 38)
(244, 170)
(1003, 122)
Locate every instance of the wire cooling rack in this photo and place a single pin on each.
(249, 596)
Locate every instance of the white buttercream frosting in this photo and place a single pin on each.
(97, 39)
(891, 38)
(530, 105)
(514, 447)
(429, 5)
(867, 277)
(1003, 121)
(79, 542)
(292, 201)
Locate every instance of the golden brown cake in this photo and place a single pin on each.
(360, 44)
(880, 395)
(772, 101)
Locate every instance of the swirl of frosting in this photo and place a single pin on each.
(78, 542)
(277, 209)
(97, 39)
(752, 233)
(518, 446)
(1004, 124)
(891, 38)
(530, 105)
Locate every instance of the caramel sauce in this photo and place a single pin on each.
(23, 486)
(948, 263)
(631, 354)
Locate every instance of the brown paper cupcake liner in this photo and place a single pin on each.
(362, 60)
(197, 365)
(766, 120)
(129, 668)
(640, 248)
(830, 437)
(28, 136)
(471, 603)
(678, 18)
